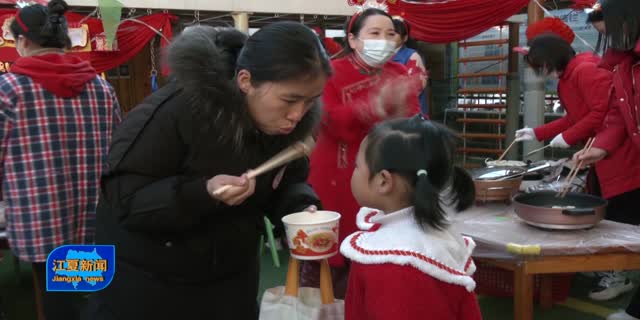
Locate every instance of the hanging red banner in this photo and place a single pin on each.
(88, 40)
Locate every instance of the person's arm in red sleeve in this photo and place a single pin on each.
(552, 129)
(416, 66)
(614, 131)
(595, 86)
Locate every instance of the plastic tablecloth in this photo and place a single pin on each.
(500, 234)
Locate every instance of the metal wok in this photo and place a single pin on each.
(574, 211)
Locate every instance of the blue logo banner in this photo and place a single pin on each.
(81, 268)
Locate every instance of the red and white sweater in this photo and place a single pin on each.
(400, 272)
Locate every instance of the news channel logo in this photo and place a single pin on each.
(81, 268)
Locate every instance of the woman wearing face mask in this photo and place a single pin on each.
(184, 252)
(366, 88)
(410, 58)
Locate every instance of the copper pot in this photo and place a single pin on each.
(574, 211)
(490, 185)
(494, 190)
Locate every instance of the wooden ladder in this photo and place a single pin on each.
(483, 107)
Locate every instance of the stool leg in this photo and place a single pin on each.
(326, 285)
(272, 242)
(293, 278)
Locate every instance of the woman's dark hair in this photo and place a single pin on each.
(284, 51)
(205, 60)
(622, 23)
(354, 24)
(406, 147)
(45, 26)
(548, 53)
(593, 17)
(403, 28)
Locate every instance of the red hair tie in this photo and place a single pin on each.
(353, 18)
(21, 24)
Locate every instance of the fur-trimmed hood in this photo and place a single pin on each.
(202, 61)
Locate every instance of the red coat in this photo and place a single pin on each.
(584, 90)
(433, 282)
(348, 117)
(393, 292)
(619, 172)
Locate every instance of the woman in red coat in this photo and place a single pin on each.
(583, 88)
(364, 89)
(618, 143)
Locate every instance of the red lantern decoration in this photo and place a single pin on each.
(551, 25)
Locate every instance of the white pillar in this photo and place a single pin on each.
(534, 105)
(241, 21)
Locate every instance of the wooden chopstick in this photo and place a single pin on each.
(508, 148)
(573, 173)
(538, 150)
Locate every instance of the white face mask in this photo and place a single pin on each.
(377, 52)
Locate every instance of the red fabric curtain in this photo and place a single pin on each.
(454, 20)
(132, 37)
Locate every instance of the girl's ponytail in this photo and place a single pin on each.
(465, 190)
(427, 205)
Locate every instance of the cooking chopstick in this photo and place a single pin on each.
(538, 150)
(508, 148)
(572, 171)
(567, 185)
(572, 174)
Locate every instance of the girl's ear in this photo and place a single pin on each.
(384, 182)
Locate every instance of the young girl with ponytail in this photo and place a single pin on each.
(408, 263)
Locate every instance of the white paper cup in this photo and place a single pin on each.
(312, 235)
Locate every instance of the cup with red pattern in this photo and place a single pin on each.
(312, 235)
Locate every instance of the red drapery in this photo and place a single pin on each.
(132, 37)
(454, 20)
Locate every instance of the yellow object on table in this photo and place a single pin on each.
(523, 249)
